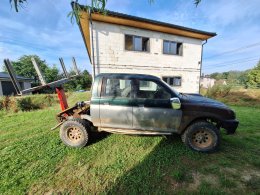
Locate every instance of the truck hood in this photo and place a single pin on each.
(198, 99)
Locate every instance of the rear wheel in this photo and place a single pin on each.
(202, 136)
(74, 133)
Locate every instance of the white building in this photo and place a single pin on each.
(120, 43)
(207, 82)
(6, 85)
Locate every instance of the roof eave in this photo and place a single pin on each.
(148, 24)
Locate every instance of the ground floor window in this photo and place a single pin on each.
(173, 81)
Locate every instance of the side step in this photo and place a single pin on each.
(133, 131)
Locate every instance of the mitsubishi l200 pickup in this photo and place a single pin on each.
(145, 105)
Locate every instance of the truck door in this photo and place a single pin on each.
(152, 108)
(116, 108)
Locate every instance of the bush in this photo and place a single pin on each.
(26, 104)
(218, 91)
(8, 103)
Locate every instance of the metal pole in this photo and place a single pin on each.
(93, 56)
(75, 66)
(201, 57)
(64, 68)
(38, 71)
(12, 75)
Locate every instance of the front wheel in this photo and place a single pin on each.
(202, 136)
(74, 133)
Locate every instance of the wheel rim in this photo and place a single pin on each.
(202, 139)
(74, 134)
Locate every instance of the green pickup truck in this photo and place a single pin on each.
(145, 105)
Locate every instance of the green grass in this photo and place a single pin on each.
(34, 160)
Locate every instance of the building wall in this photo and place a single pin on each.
(111, 57)
(27, 85)
(9, 89)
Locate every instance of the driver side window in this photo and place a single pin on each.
(151, 90)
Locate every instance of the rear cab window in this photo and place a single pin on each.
(116, 88)
(150, 90)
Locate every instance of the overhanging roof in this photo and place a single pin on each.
(136, 22)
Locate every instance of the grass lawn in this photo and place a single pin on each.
(34, 160)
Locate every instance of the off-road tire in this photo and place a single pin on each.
(202, 136)
(75, 133)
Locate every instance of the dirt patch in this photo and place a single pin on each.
(198, 178)
(173, 184)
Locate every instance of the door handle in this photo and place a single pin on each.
(141, 105)
(106, 103)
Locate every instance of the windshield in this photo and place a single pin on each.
(170, 87)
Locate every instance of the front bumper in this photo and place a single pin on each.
(230, 125)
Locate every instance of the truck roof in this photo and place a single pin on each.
(128, 76)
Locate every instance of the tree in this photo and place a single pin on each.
(82, 82)
(253, 77)
(24, 67)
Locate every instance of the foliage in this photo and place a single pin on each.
(26, 104)
(253, 77)
(82, 82)
(232, 77)
(218, 91)
(248, 78)
(8, 104)
(240, 97)
(17, 3)
(197, 2)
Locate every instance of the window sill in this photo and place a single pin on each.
(145, 52)
(168, 54)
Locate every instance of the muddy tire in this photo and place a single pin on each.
(202, 136)
(75, 133)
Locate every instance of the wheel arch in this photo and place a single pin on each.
(214, 120)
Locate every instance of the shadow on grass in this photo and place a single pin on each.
(172, 168)
(96, 137)
(165, 166)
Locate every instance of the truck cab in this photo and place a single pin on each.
(146, 105)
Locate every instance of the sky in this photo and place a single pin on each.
(43, 28)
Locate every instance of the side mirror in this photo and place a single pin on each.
(176, 103)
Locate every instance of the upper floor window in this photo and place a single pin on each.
(171, 47)
(136, 43)
(172, 81)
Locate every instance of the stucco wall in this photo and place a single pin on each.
(111, 56)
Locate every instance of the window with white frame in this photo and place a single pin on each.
(173, 81)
